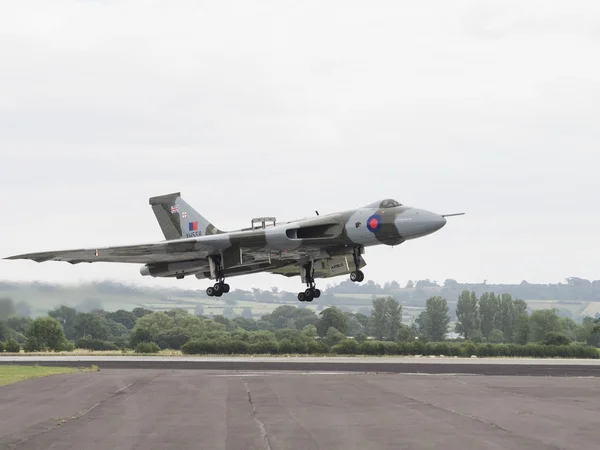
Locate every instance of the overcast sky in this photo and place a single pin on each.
(282, 107)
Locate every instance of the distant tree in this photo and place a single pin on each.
(360, 338)
(309, 332)
(451, 284)
(91, 325)
(378, 318)
(569, 327)
(433, 322)
(230, 301)
(12, 346)
(304, 317)
(44, 334)
(521, 332)
(554, 338)
(19, 323)
(152, 324)
(282, 316)
(126, 318)
(405, 333)
(506, 319)
(426, 283)
(245, 323)
(332, 318)
(199, 310)
(496, 336)
(489, 309)
(333, 336)
(7, 308)
(4, 330)
(228, 312)
(393, 318)
(222, 320)
(585, 332)
(467, 314)
(247, 313)
(141, 312)
(544, 321)
(67, 317)
(116, 329)
(174, 312)
(173, 338)
(354, 326)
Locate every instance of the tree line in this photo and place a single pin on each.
(492, 325)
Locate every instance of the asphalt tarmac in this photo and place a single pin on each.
(430, 365)
(124, 409)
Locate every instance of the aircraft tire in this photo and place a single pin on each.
(226, 288)
(317, 293)
(301, 297)
(361, 276)
(210, 291)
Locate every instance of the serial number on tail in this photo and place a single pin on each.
(193, 234)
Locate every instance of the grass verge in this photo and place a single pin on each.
(10, 374)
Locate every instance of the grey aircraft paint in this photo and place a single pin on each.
(327, 246)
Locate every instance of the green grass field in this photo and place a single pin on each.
(13, 374)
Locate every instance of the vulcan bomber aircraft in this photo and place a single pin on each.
(321, 246)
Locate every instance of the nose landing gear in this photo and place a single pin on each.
(357, 275)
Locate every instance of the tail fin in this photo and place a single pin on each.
(178, 220)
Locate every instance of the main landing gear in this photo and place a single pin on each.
(220, 287)
(357, 275)
(311, 291)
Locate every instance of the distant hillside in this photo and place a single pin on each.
(575, 298)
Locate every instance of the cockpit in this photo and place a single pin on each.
(387, 203)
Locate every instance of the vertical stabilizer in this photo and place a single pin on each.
(178, 220)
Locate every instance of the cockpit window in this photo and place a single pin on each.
(387, 203)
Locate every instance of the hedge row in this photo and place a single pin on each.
(95, 344)
(352, 347)
(10, 346)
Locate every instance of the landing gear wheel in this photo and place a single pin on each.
(218, 293)
(357, 276)
(218, 287)
(225, 288)
(210, 292)
(301, 297)
(317, 293)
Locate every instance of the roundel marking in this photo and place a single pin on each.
(374, 223)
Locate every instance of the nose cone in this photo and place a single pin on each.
(415, 223)
(437, 222)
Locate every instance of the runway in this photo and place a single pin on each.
(126, 409)
(426, 365)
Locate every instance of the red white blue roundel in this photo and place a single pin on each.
(374, 223)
